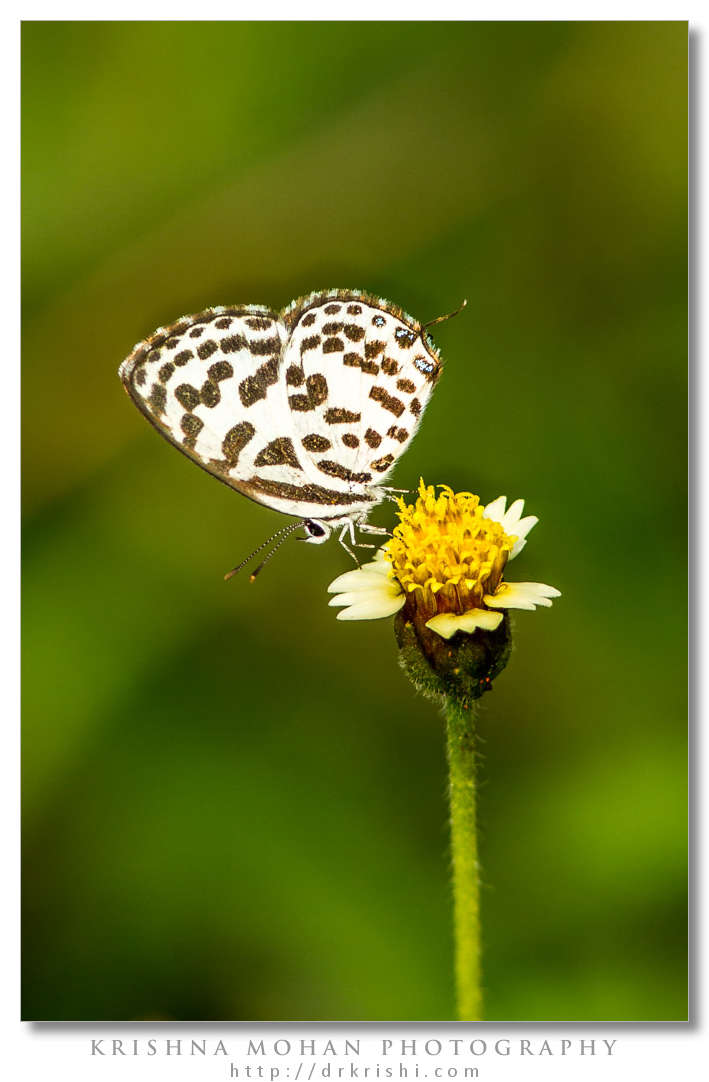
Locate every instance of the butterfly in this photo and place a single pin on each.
(305, 411)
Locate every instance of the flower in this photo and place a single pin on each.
(444, 565)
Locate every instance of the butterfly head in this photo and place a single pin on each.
(317, 531)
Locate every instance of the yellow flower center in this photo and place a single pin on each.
(445, 553)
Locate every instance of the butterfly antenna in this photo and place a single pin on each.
(274, 550)
(442, 319)
(279, 534)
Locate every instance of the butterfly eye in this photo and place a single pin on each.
(318, 532)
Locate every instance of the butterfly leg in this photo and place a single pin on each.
(348, 526)
(371, 530)
(366, 527)
(353, 537)
(390, 493)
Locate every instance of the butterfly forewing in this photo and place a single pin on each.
(360, 375)
(305, 412)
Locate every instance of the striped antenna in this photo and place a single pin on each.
(279, 536)
(442, 319)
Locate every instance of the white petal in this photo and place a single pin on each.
(354, 597)
(374, 609)
(523, 525)
(520, 531)
(521, 595)
(380, 564)
(509, 602)
(447, 623)
(379, 557)
(545, 590)
(357, 580)
(511, 521)
(496, 509)
(514, 514)
(539, 588)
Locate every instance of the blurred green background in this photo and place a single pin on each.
(234, 807)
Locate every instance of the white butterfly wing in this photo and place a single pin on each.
(360, 373)
(213, 385)
(209, 383)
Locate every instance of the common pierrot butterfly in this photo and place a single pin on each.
(305, 410)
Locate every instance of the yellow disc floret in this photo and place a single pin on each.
(445, 553)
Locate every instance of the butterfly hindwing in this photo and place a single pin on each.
(210, 383)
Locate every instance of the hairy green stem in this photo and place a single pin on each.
(464, 851)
